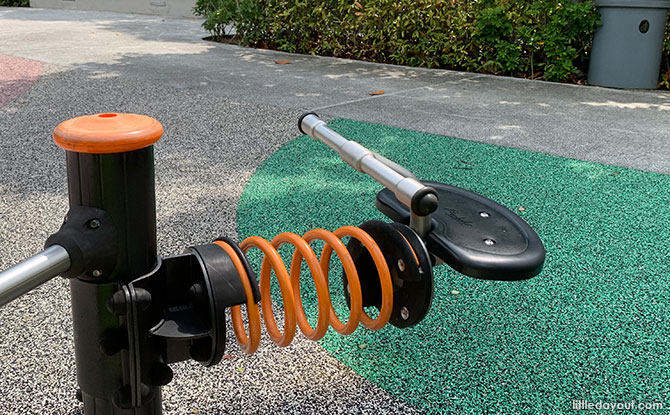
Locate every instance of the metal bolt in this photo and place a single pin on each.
(112, 341)
(404, 313)
(484, 214)
(142, 298)
(161, 374)
(117, 304)
(401, 265)
(122, 397)
(348, 289)
(489, 242)
(94, 223)
(96, 273)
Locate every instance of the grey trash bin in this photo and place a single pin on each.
(627, 47)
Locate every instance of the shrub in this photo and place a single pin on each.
(532, 38)
(665, 61)
(547, 39)
(14, 3)
(218, 14)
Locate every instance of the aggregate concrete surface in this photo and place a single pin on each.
(225, 109)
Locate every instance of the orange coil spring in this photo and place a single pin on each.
(289, 284)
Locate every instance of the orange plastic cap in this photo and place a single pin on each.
(107, 133)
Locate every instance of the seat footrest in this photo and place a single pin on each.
(475, 235)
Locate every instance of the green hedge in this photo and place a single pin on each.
(544, 39)
(665, 63)
(14, 3)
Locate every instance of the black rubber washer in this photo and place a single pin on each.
(417, 294)
(412, 286)
(224, 288)
(302, 117)
(418, 246)
(247, 267)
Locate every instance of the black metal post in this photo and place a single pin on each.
(121, 184)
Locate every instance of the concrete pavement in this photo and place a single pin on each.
(627, 128)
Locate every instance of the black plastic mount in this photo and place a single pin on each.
(89, 237)
(190, 293)
(410, 267)
(174, 313)
(475, 235)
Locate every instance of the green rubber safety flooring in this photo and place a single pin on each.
(594, 325)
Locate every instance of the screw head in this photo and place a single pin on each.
(404, 313)
(96, 273)
(117, 304)
(122, 397)
(161, 374)
(401, 265)
(94, 223)
(489, 242)
(484, 214)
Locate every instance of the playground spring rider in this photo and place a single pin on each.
(134, 312)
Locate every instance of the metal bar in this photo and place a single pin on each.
(420, 224)
(395, 166)
(393, 176)
(31, 273)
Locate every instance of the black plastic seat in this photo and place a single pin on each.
(475, 235)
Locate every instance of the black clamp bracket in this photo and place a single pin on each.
(89, 236)
(176, 313)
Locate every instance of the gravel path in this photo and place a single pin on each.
(17, 75)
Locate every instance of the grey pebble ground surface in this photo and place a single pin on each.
(225, 109)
